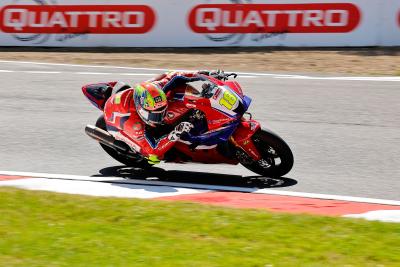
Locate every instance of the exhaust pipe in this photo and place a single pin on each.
(106, 139)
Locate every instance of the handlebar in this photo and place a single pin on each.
(220, 74)
(230, 74)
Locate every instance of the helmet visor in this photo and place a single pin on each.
(157, 117)
(154, 116)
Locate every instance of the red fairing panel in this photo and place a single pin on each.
(242, 137)
(98, 93)
(235, 86)
(209, 156)
(176, 109)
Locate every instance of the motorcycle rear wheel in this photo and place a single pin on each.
(100, 123)
(277, 157)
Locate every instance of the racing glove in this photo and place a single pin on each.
(183, 127)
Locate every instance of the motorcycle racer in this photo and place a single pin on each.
(128, 112)
(206, 114)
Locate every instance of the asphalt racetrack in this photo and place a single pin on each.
(344, 132)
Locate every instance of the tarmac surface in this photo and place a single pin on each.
(344, 132)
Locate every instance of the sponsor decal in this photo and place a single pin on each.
(164, 145)
(77, 19)
(253, 126)
(170, 115)
(219, 121)
(158, 99)
(237, 38)
(274, 18)
(137, 126)
(121, 137)
(215, 96)
(254, 154)
(117, 99)
(398, 18)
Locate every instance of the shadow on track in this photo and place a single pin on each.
(200, 178)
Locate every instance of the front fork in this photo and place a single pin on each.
(241, 138)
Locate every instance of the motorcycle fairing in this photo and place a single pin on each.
(221, 122)
(208, 156)
(212, 137)
(225, 101)
(97, 94)
(240, 133)
(242, 137)
(176, 110)
(234, 85)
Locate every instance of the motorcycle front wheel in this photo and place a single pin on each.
(277, 157)
(143, 164)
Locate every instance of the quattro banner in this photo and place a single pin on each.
(90, 19)
(195, 23)
(274, 18)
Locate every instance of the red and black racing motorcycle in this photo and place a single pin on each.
(224, 132)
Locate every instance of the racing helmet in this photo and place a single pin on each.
(151, 103)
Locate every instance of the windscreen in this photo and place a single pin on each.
(221, 97)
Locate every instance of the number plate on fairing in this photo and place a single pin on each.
(225, 100)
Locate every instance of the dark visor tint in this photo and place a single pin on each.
(156, 117)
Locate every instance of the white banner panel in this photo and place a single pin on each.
(389, 27)
(194, 23)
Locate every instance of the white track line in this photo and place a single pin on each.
(375, 79)
(273, 75)
(92, 73)
(93, 188)
(247, 76)
(78, 65)
(203, 187)
(40, 72)
(137, 74)
(87, 73)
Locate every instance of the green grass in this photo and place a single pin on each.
(48, 229)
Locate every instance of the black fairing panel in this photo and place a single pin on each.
(100, 91)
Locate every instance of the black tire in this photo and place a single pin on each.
(100, 123)
(276, 154)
